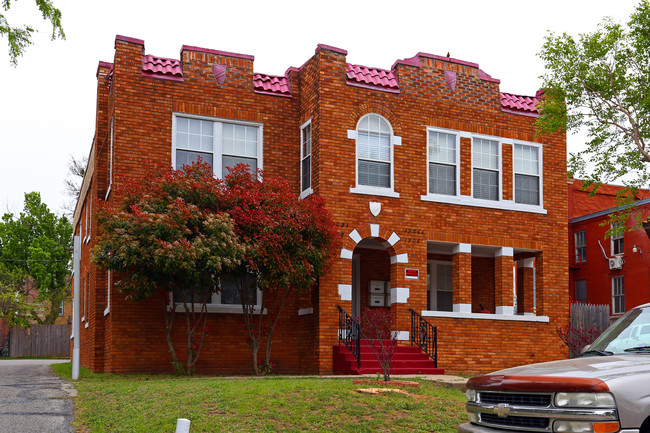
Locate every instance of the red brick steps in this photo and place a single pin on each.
(406, 360)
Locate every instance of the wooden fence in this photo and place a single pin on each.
(587, 322)
(588, 316)
(40, 341)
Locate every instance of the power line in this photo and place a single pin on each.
(31, 260)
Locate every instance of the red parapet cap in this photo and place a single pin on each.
(216, 52)
(129, 40)
(331, 48)
(101, 65)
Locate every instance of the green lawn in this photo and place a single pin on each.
(148, 403)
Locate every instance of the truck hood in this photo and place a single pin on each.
(605, 368)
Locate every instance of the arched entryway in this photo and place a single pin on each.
(371, 275)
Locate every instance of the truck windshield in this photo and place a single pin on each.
(630, 334)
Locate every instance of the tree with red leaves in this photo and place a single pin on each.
(378, 330)
(289, 244)
(170, 230)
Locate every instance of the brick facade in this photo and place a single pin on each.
(487, 243)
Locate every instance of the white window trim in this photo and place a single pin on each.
(374, 190)
(216, 307)
(306, 192)
(500, 143)
(612, 239)
(614, 279)
(485, 316)
(108, 293)
(576, 246)
(217, 135)
(540, 168)
(469, 200)
(434, 272)
(110, 164)
(457, 164)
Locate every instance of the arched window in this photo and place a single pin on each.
(374, 152)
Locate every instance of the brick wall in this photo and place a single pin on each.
(131, 337)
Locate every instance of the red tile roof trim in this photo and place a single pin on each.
(217, 52)
(526, 105)
(331, 48)
(160, 67)
(371, 78)
(272, 85)
(128, 39)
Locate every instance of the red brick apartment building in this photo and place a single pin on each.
(607, 271)
(446, 201)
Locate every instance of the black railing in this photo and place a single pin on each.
(350, 334)
(425, 336)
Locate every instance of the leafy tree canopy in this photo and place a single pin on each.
(37, 243)
(169, 231)
(19, 38)
(600, 81)
(15, 309)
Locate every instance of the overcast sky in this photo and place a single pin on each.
(47, 103)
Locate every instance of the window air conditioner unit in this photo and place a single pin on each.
(616, 263)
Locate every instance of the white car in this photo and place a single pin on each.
(606, 390)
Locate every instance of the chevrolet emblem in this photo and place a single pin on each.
(502, 410)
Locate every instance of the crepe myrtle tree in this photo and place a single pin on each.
(170, 231)
(289, 244)
(600, 82)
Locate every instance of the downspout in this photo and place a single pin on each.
(76, 323)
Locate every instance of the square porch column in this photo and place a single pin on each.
(504, 281)
(462, 278)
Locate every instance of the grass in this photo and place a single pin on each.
(148, 403)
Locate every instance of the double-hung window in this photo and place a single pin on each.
(485, 173)
(374, 152)
(526, 168)
(581, 246)
(305, 158)
(442, 150)
(440, 286)
(617, 238)
(219, 143)
(618, 295)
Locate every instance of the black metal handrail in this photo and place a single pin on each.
(350, 334)
(425, 336)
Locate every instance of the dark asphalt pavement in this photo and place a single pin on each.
(33, 399)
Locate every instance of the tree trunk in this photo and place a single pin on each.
(169, 324)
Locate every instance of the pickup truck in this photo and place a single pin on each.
(606, 390)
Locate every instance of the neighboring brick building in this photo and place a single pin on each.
(608, 271)
(427, 168)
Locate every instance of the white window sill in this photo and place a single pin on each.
(86, 325)
(465, 200)
(306, 193)
(107, 310)
(108, 192)
(219, 308)
(83, 319)
(373, 190)
(484, 316)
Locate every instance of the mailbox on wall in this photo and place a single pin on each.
(377, 293)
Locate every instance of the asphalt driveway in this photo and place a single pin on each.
(33, 399)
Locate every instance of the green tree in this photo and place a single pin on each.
(170, 232)
(15, 309)
(19, 38)
(38, 244)
(600, 81)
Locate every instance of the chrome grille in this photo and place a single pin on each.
(516, 399)
(515, 421)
